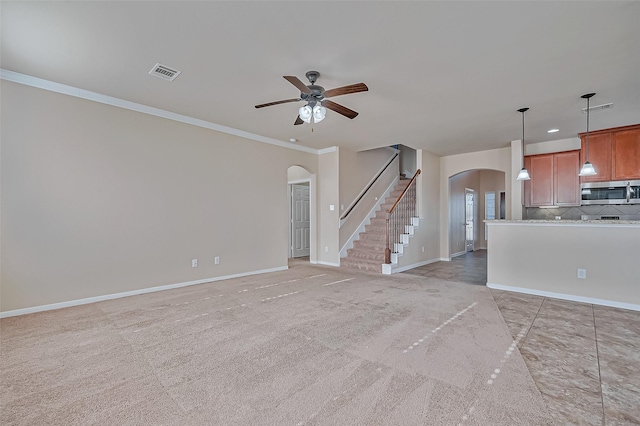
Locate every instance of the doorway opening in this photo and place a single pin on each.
(470, 219)
(472, 193)
(301, 220)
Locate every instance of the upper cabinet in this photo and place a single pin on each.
(599, 156)
(566, 166)
(614, 153)
(554, 179)
(625, 154)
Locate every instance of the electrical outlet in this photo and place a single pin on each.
(423, 249)
(326, 249)
(194, 263)
(582, 274)
(216, 260)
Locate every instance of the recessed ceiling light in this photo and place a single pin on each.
(553, 130)
(293, 140)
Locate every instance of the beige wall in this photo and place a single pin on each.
(354, 223)
(490, 181)
(408, 161)
(496, 159)
(296, 174)
(425, 244)
(328, 252)
(99, 200)
(544, 258)
(552, 146)
(357, 170)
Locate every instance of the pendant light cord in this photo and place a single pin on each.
(587, 144)
(523, 139)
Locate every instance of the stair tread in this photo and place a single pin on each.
(368, 250)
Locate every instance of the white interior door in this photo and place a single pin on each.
(469, 218)
(300, 224)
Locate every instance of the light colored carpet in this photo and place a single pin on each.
(308, 346)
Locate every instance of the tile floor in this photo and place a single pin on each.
(584, 359)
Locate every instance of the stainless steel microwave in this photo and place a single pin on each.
(620, 192)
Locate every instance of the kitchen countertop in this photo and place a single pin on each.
(565, 222)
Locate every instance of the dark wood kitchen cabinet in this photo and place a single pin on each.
(566, 167)
(614, 153)
(554, 179)
(625, 154)
(541, 173)
(599, 156)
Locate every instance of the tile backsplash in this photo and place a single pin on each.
(575, 213)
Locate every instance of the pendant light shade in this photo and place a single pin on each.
(587, 168)
(524, 173)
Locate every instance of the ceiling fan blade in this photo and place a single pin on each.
(298, 121)
(349, 113)
(277, 102)
(298, 83)
(345, 90)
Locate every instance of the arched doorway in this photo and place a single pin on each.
(474, 196)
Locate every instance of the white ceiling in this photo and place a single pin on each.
(446, 77)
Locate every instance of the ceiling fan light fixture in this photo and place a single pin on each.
(316, 99)
(319, 113)
(305, 113)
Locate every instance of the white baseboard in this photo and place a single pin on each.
(415, 265)
(319, 262)
(460, 253)
(95, 299)
(562, 296)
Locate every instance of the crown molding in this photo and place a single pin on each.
(51, 86)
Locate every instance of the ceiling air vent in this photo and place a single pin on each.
(597, 107)
(164, 72)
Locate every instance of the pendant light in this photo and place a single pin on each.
(524, 174)
(587, 168)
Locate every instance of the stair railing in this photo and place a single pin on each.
(364, 192)
(399, 216)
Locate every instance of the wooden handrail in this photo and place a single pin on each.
(344, 216)
(403, 192)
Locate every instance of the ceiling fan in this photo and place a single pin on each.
(316, 98)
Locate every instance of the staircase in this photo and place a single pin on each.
(368, 251)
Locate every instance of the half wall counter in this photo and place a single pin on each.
(592, 261)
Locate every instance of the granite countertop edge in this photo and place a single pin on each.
(566, 222)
